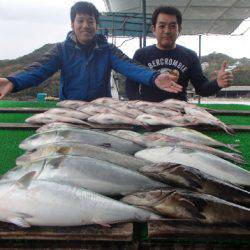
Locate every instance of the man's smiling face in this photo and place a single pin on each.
(85, 27)
(166, 31)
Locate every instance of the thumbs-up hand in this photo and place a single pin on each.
(224, 77)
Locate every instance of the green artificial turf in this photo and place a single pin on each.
(14, 117)
(15, 104)
(235, 120)
(10, 139)
(20, 117)
(241, 139)
(226, 106)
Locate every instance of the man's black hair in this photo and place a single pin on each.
(84, 8)
(169, 10)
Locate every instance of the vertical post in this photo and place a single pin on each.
(140, 42)
(199, 97)
(144, 24)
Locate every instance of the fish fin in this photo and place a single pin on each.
(187, 202)
(25, 180)
(103, 224)
(19, 221)
(191, 175)
(192, 209)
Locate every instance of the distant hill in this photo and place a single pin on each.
(51, 86)
(24, 60)
(241, 73)
(217, 59)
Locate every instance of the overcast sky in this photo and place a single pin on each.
(26, 25)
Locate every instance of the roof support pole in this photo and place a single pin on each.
(140, 42)
(199, 97)
(144, 24)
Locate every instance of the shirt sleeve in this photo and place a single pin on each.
(38, 71)
(131, 69)
(202, 85)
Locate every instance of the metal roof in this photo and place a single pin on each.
(199, 16)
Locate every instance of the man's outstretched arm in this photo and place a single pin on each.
(6, 87)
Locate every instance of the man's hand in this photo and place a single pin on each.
(224, 78)
(5, 87)
(168, 83)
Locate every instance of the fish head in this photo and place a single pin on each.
(5, 187)
(144, 199)
(42, 118)
(19, 171)
(14, 173)
(180, 175)
(37, 154)
(177, 204)
(156, 169)
(38, 140)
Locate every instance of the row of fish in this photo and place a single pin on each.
(86, 164)
(107, 111)
(30, 201)
(192, 154)
(68, 182)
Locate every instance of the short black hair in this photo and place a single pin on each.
(84, 8)
(169, 10)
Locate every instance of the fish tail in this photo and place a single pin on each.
(228, 129)
(238, 158)
(232, 147)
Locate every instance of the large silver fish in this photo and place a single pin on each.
(161, 111)
(128, 135)
(58, 126)
(149, 119)
(208, 163)
(176, 104)
(128, 111)
(46, 203)
(161, 140)
(79, 149)
(204, 117)
(71, 104)
(186, 177)
(93, 174)
(183, 204)
(93, 109)
(194, 136)
(48, 118)
(105, 101)
(84, 136)
(66, 112)
(111, 118)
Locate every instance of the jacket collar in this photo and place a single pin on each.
(101, 41)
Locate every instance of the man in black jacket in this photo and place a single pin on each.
(167, 56)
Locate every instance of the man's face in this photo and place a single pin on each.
(85, 27)
(166, 31)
